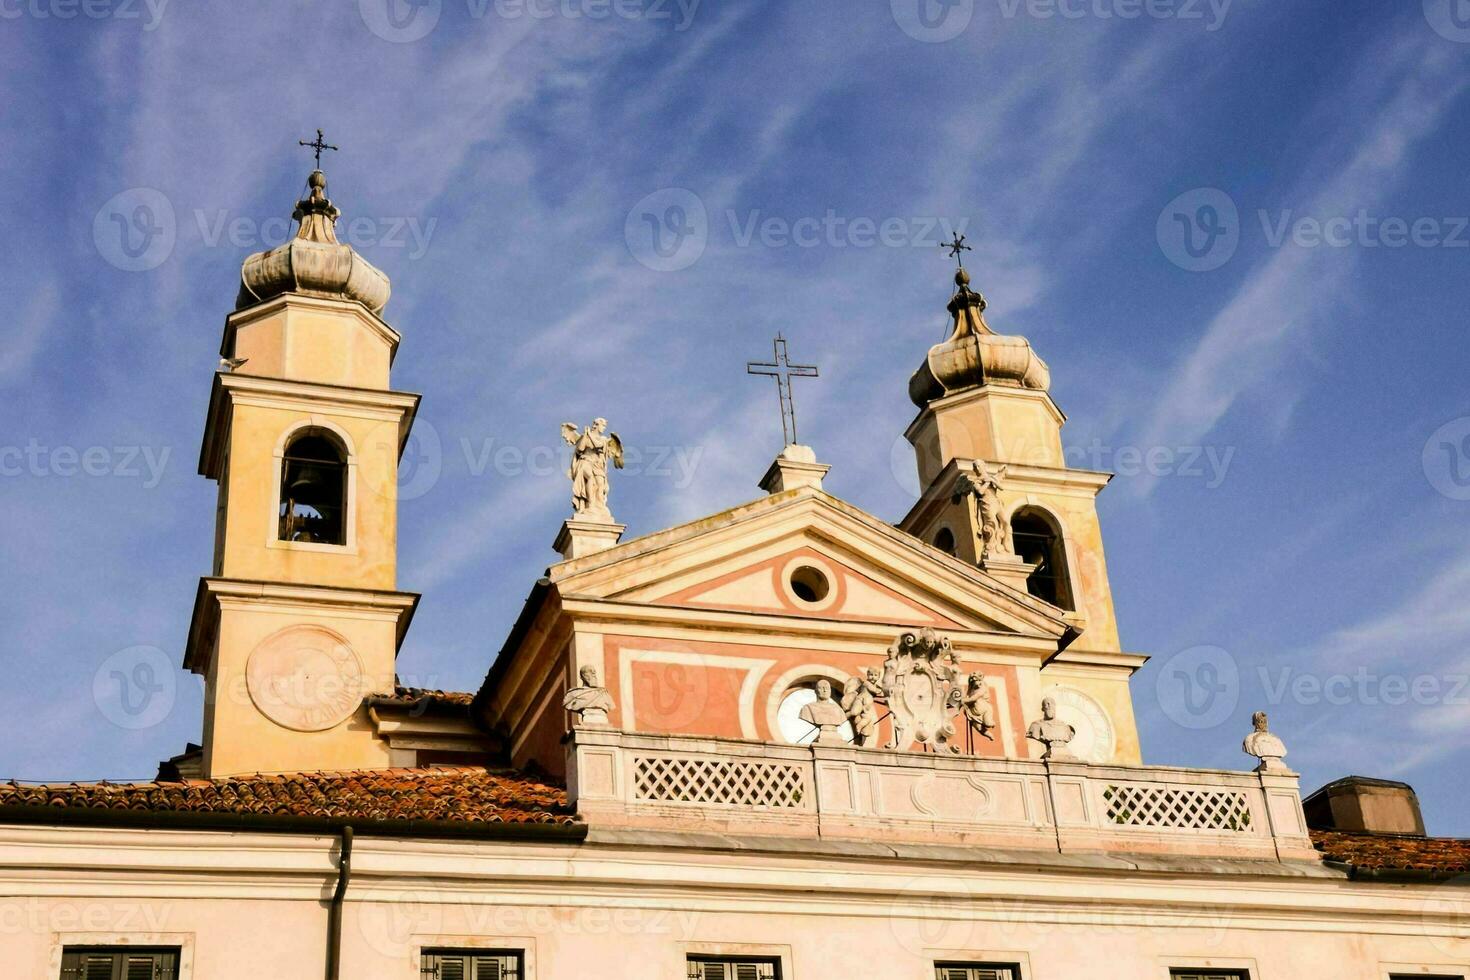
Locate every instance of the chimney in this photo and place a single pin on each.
(1378, 806)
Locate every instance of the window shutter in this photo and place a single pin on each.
(706, 969)
(975, 971)
(471, 966)
(119, 964)
(86, 966)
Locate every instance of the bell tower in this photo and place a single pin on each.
(998, 493)
(300, 618)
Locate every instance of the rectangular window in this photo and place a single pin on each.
(712, 968)
(471, 964)
(1209, 975)
(977, 971)
(118, 963)
(1426, 976)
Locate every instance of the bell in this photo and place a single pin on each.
(306, 485)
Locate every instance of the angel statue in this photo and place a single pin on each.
(983, 484)
(590, 452)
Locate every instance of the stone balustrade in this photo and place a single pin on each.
(726, 786)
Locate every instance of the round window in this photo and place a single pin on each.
(810, 584)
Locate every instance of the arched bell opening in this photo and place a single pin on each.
(313, 501)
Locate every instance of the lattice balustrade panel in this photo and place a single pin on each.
(1168, 808)
(727, 782)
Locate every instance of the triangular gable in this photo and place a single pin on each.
(762, 586)
(743, 559)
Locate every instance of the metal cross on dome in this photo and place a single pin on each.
(956, 247)
(319, 144)
(783, 371)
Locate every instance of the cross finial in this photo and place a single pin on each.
(318, 145)
(783, 371)
(956, 246)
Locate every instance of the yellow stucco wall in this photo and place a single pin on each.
(243, 739)
(252, 549)
(308, 339)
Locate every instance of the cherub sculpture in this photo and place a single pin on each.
(591, 450)
(860, 703)
(975, 705)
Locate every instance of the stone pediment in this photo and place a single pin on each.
(807, 554)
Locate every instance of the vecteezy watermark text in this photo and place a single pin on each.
(1201, 229)
(1211, 13)
(125, 462)
(1208, 463)
(669, 230)
(1363, 687)
(409, 232)
(150, 12)
(405, 21)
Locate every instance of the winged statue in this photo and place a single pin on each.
(592, 448)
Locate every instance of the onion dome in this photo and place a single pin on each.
(313, 263)
(975, 355)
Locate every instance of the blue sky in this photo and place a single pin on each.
(1282, 392)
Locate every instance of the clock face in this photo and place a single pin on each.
(305, 678)
(1094, 741)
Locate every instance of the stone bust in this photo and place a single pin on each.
(1053, 733)
(1264, 745)
(825, 715)
(591, 702)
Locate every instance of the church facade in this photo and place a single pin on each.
(787, 741)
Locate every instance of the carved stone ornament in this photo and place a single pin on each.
(590, 702)
(305, 678)
(825, 715)
(992, 531)
(918, 681)
(1053, 733)
(592, 449)
(860, 697)
(1265, 745)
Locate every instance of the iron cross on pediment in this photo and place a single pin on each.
(783, 371)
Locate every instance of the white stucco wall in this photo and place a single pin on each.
(248, 907)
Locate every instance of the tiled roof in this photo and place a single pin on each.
(457, 794)
(1395, 852)
(415, 695)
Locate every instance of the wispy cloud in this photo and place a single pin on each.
(1248, 342)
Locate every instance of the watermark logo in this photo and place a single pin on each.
(668, 230)
(1199, 230)
(420, 464)
(390, 918)
(135, 230)
(1449, 18)
(932, 21)
(135, 688)
(400, 21)
(1199, 687)
(1446, 459)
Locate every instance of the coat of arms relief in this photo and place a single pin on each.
(926, 694)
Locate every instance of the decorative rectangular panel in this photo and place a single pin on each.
(1177, 808)
(719, 781)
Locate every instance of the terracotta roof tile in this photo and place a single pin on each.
(1395, 852)
(457, 794)
(414, 695)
